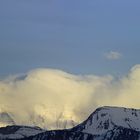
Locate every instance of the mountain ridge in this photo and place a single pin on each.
(105, 123)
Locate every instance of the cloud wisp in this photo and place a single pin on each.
(43, 95)
(113, 55)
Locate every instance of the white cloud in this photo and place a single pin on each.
(112, 55)
(49, 93)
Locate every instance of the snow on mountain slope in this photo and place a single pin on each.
(106, 123)
(17, 132)
(106, 118)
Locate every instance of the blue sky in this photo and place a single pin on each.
(75, 36)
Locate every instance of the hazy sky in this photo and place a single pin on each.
(83, 44)
(77, 36)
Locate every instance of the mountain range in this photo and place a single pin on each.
(105, 123)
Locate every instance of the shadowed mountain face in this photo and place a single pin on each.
(115, 134)
(18, 132)
(106, 123)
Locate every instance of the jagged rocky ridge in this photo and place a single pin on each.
(106, 123)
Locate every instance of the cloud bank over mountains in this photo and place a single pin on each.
(42, 96)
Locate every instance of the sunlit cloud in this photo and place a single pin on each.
(42, 96)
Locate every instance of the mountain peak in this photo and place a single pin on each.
(106, 118)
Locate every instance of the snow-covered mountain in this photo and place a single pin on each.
(108, 118)
(18, 132)
(106, 123)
